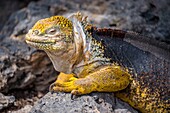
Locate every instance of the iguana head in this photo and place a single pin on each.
(47, 34)
(63, 39)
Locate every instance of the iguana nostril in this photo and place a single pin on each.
(35, 32)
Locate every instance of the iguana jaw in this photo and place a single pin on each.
(53, 43)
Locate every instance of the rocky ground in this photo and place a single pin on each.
(26, 73)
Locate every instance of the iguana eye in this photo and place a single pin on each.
(51, 31)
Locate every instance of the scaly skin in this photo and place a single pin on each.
(83, 65)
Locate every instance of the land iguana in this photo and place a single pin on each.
(91, 59)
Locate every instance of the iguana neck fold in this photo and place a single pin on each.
(93, 51)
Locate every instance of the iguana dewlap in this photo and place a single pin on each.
(84, 56)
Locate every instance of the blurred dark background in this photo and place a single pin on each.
(7, 7)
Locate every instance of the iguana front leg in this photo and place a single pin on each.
(105, 79)
(61, 80)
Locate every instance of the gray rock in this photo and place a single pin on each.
(6, 100)
(92, 103)
(25, 109)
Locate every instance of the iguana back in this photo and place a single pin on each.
(149, 65)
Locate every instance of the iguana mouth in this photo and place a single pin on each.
(40, 45)
(38, 42)
(44, 43)
(44, 40)
(41, 42)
